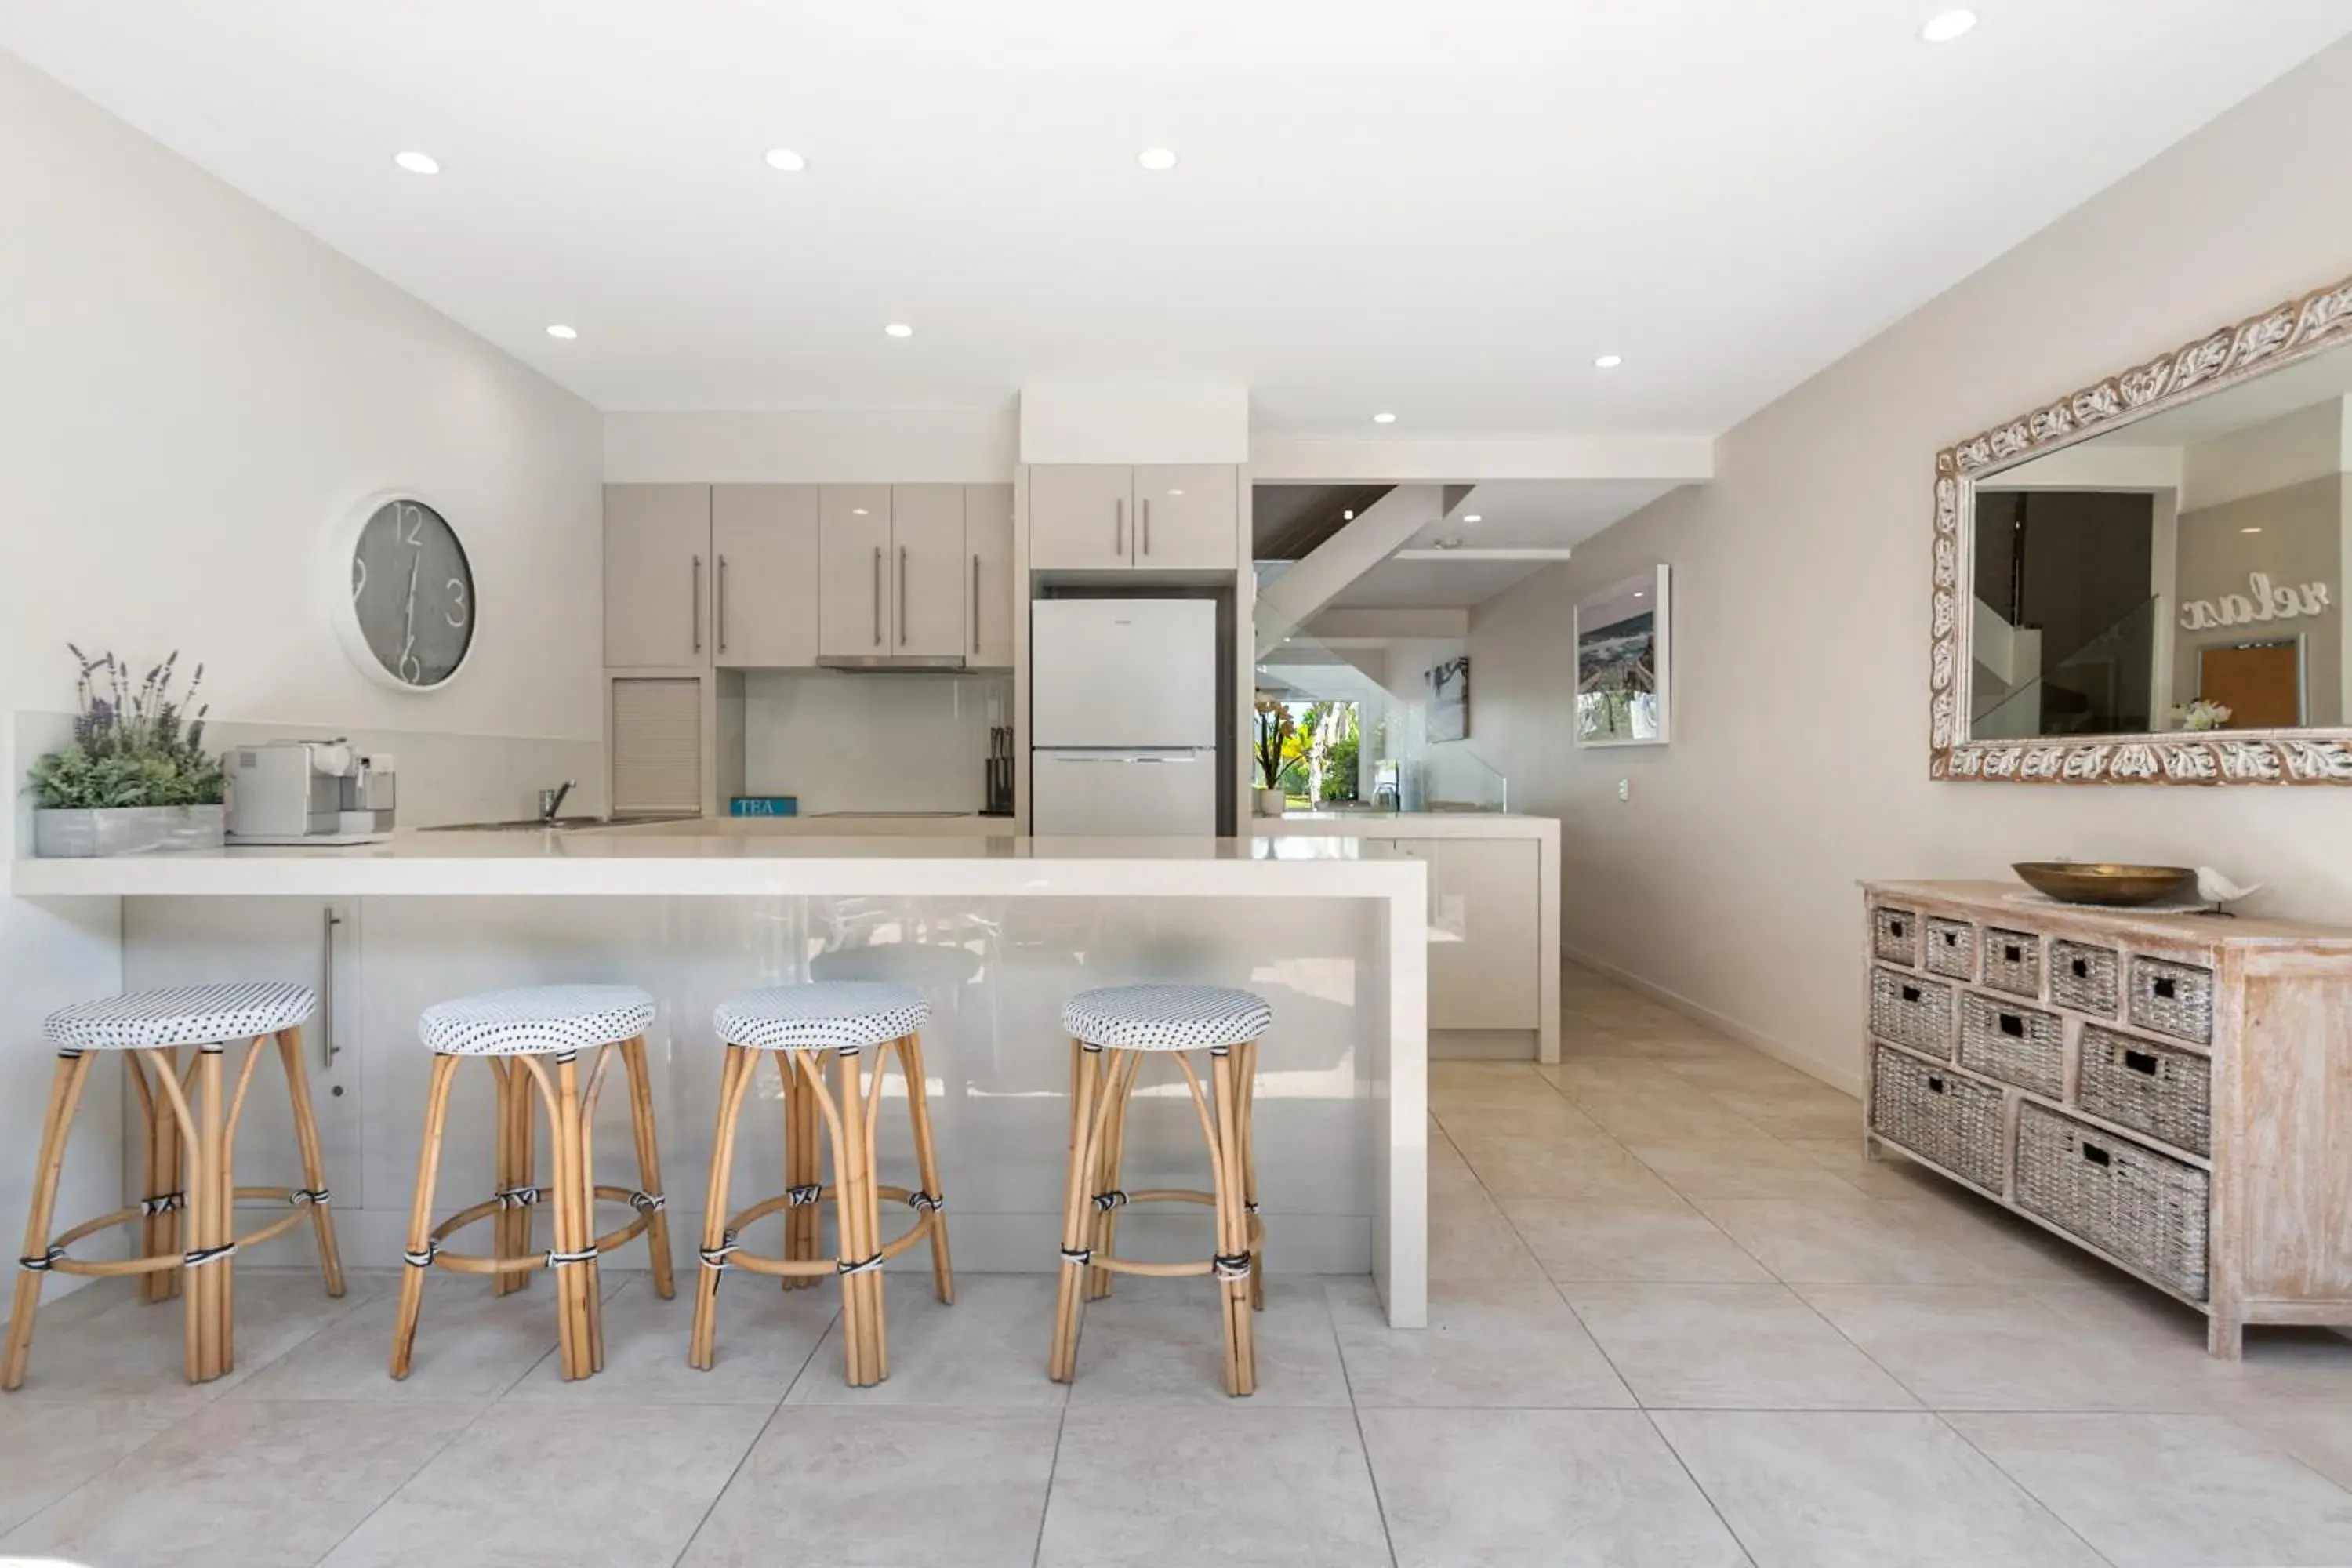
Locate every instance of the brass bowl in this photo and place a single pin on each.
(2073, 883)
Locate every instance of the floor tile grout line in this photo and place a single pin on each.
(406, 1481)
(2023, 1490)
(1700, 1487)
(815, 1344)
(1053, 1470)
(1355, 1415)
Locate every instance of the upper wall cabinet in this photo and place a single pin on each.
(1187, 518)
(763, 580)
(931, 589)
(657, 576)
(988, 540)
(854, 613)
(1102, 517)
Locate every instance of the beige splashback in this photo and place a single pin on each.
(1799, 761)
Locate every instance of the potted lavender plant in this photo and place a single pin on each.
(134, 779)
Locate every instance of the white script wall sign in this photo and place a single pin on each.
(2262, 603)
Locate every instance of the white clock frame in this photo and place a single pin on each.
(344, 540)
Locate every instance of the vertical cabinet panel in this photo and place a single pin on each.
(1187, 516)
(995, 597)
(1081, 516)
(764, 574)
(854, 570)
(657, 745)
(1484, 889)
(930, 583)
(657, 575)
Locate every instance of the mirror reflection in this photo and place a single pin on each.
(2182, 573)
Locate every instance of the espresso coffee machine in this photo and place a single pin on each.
(308, 792)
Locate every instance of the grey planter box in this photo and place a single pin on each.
(127, 830)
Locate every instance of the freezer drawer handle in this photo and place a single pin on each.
(1118, 528)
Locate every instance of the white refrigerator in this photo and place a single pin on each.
(1123, 717)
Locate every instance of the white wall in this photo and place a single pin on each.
(1800, 759)
(193, 393)
(835, 446)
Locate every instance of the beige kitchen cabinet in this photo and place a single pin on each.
(1187, 516)
(854, 570)
(995, 597)
(930, 583)
(1081, 517)
(656, 725)
(1484, 910)
(657, 576)
(764, 576)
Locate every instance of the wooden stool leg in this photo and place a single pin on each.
(649, 1176)
(1233, 1229)
(592, 1292)
(210, 1218)
(804, 1168)
(926, 1163)
(574, 1229)
(858, 1220)
(510, 1169)
(314, 1157)
(159, 1228)
(420, 1215)
(1247, 1068)
(735, 1074)
(1117, 1088)
(1077, 1210)
(65, 1095)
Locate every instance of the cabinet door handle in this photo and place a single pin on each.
(975, 603)
(877, 596)
(722, 603)
(902, 596)
(1118, 528)
(697, 603)
(1144, 508)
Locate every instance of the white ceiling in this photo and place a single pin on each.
(1443, 210)
(1512, 515)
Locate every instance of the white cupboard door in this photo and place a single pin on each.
(1187, 516)
(988, 544)
(855, 572)
(1482, 891)
(764, 576)
(931, 580)
(1081, 516)
(657, 576)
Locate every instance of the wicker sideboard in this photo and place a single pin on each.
(2171, 1092)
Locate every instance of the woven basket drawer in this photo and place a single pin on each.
(2129, 1202)
(1911, 1011)
(1954, 1121)
(2012, 962)
(2164, 1093)
(2023, 1046)
(1895, 935)
(1952, 949)
(2174, 999)
(2084, 978)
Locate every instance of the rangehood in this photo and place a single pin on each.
(911, 663)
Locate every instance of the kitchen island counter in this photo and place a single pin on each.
(995, 931)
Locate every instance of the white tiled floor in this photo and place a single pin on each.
(1677, 1320)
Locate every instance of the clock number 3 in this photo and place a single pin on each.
(458, 596)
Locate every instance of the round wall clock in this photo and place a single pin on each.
(408, 609)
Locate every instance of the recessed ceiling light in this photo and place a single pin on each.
(1449, 545)
(560, 331)
(1348, 515)
(1158, 160)
(1383, 418)
(785, 161)
(2250, 530)
(1945, 26)
(1640, 594)
(418, 163)
(1607, 361)
(899, 330)
(1473, 517)
(857, 511)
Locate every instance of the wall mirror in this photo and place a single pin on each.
(2145, 581)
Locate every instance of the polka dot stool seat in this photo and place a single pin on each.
(800, 1026)
(187, 1212)
(1112, 1031)
(531, 1040)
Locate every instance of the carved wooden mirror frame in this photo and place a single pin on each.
(2318, 321)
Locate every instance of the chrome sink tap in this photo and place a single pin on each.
(550, 801)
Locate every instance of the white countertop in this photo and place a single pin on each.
(529, 862)
(1405, 825)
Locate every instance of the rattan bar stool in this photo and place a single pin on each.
(513, 1031)
(1111, 1032)
(192, 1128)
(801, 1025)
